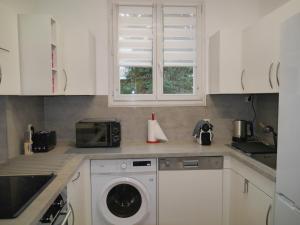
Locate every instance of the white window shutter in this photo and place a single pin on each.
(135, 32)
(179, 29)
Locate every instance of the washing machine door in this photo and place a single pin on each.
(124, 201)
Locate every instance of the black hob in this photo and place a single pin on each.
(17, 192)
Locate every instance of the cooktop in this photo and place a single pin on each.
(254, 147)
(17, 192)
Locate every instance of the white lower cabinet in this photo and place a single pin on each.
(192, 197)
(79, 195)
(246, 204)
(247, 195)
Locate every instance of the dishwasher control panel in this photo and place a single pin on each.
(192, 163)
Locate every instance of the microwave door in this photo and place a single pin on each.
(100, 137)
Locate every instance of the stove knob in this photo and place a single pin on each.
(123, 166)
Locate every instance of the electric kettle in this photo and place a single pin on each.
(242, 130)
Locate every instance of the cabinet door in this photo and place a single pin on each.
(9, 53)
(236, 199)
(225, 62)
(79, 195)
(190, 197)
(258, 206)
(79, 63)
(260, 47)
(7, 25)
(248, 205)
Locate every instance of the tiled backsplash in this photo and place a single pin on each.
(16, 113)
(267, 113)
(61, 114)
(3, 136)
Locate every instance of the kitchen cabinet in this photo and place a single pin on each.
(225, 62)
(260, 50)
(39, 55)
(79, 63)
(248, 196)
(9, 53)
(190, 196)
(79, 195)
(248, 204)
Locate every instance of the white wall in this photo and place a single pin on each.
(267, 6)
(20, 6)
(93, 15)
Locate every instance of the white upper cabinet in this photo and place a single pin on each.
(79, 69)
(9, 53)
(249, 62)
(38, 39)
(260, 51)
(225, 63)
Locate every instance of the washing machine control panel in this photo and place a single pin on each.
(123, 165)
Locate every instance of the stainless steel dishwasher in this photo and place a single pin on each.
(190, 191)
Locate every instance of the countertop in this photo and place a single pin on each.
(64, 160)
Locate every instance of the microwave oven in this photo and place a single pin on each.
(94, 133)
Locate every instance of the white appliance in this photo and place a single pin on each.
(124, 192)
(287, 210)
(190, 190)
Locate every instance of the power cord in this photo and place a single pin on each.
(253, 108)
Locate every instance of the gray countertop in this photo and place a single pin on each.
(64, 160)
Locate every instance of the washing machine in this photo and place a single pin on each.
(124, 192)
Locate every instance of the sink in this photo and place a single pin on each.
(269, 159)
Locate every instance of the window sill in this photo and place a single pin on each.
(157, 103)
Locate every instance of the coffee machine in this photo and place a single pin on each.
(203, 132)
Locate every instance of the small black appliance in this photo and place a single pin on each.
(203, 132)
(95, 133)
(43, 141)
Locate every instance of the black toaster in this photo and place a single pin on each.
(43, 141)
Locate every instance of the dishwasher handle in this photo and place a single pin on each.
(190, 163)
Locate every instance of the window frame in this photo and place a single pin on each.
(157, 98)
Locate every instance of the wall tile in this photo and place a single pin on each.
(21, 111)
(3, 128)
(61, 114)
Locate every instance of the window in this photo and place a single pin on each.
(157, 54)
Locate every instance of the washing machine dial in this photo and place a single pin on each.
(123, 166)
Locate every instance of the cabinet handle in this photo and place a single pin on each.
(277, 74)
(4, 49)
(242, 80)
(76, 178)
(268, 214)
(68, 214)
(246, 186)
(270, 74)
(66, 80)
(1, 75)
